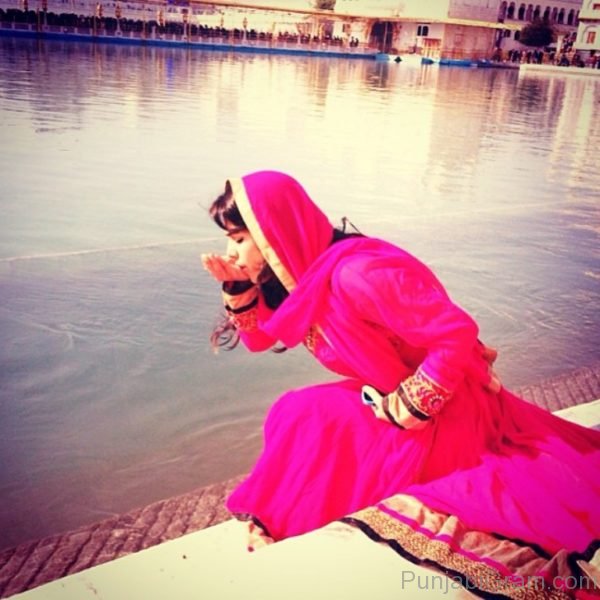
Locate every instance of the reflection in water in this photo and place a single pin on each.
(110, 396)
(574, 148)
(531, 97)
(378, 78)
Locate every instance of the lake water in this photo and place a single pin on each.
(110, 396)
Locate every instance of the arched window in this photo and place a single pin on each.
(554, 14)
(521, 13)
(536, 12)
(510, 13)
(517, 36)
(502, 12)
(546, 16)
(561, 16)
(576, 18)
(529, 13)
(571, 17)
(422, 30)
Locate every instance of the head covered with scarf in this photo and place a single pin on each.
(289, 229)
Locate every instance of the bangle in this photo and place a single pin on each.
(241, 309)
(410, 407)
(241, 299)
(385, 406)
(235, 288)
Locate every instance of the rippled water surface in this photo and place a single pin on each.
(110, 397)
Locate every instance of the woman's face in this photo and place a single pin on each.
(244, 253)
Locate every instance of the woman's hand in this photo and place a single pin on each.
(490, 354)
(222, 269)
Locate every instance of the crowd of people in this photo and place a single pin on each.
(574, 59)
(163, 26)
(567, 57)
(529, 56)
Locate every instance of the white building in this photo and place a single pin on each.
(466, 29)
(588, 33)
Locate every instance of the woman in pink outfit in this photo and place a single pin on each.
(417, 444)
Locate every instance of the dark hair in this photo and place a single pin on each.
(225, 213)
(224, 210)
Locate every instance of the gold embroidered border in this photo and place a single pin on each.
(480, 575)
(423, 397)
(243, 203)
(440, 388)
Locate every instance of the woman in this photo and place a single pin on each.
(435, 436)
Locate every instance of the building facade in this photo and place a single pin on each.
(562, 15)
(588, 32)
(462, 29)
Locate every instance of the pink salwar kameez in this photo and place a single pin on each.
(492, 489)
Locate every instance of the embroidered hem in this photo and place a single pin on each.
(485, 564)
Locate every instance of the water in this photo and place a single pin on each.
(110, 397)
